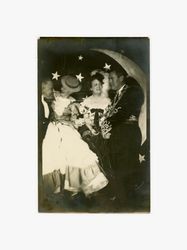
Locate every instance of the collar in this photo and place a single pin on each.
(42, 98)
(121, 89)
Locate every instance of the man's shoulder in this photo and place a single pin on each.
(133, 89)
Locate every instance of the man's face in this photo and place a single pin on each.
(115, 81)
(47, 90)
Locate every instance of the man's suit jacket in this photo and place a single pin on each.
(128, 105)
(42, 120)
(125, 141)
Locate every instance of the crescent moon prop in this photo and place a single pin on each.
(133, 70)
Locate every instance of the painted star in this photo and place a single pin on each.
(107, 66)
(80, 58)
(141, 158)
(80, 77)
(55, 75)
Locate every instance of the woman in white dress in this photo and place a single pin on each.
(64, 149)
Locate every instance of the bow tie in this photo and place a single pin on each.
(49, 101)
(45, 99)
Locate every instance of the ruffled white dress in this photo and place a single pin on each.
(64, 150)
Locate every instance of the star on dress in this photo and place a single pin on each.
(80, 58)
(55, 75)
(107, 66)
(80, 77)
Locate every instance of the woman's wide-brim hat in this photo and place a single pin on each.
(72, 83)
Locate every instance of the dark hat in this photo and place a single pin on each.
(72, 83)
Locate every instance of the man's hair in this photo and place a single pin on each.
(119, 72)
(45, 82)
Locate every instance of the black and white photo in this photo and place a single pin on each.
(93, 125)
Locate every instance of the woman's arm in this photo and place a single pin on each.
(63, 119)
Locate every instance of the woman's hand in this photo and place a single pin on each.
(94, 132)
(79, 122)
(106, 136)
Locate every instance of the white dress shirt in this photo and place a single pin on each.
(46, 107)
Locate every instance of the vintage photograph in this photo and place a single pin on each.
(93, 125)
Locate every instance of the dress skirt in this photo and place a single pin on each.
(63, 149)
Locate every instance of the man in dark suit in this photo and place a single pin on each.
(125, 140)
(44, 113)
(45, 106)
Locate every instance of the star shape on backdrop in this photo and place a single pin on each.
(80, 58)
(80, 77)
(55, 75)
(141, 158)
(107, 66)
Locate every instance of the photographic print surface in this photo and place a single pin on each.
(93, 125)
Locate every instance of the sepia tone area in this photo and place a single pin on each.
(93, 125)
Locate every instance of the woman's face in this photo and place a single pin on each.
(96, 87)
